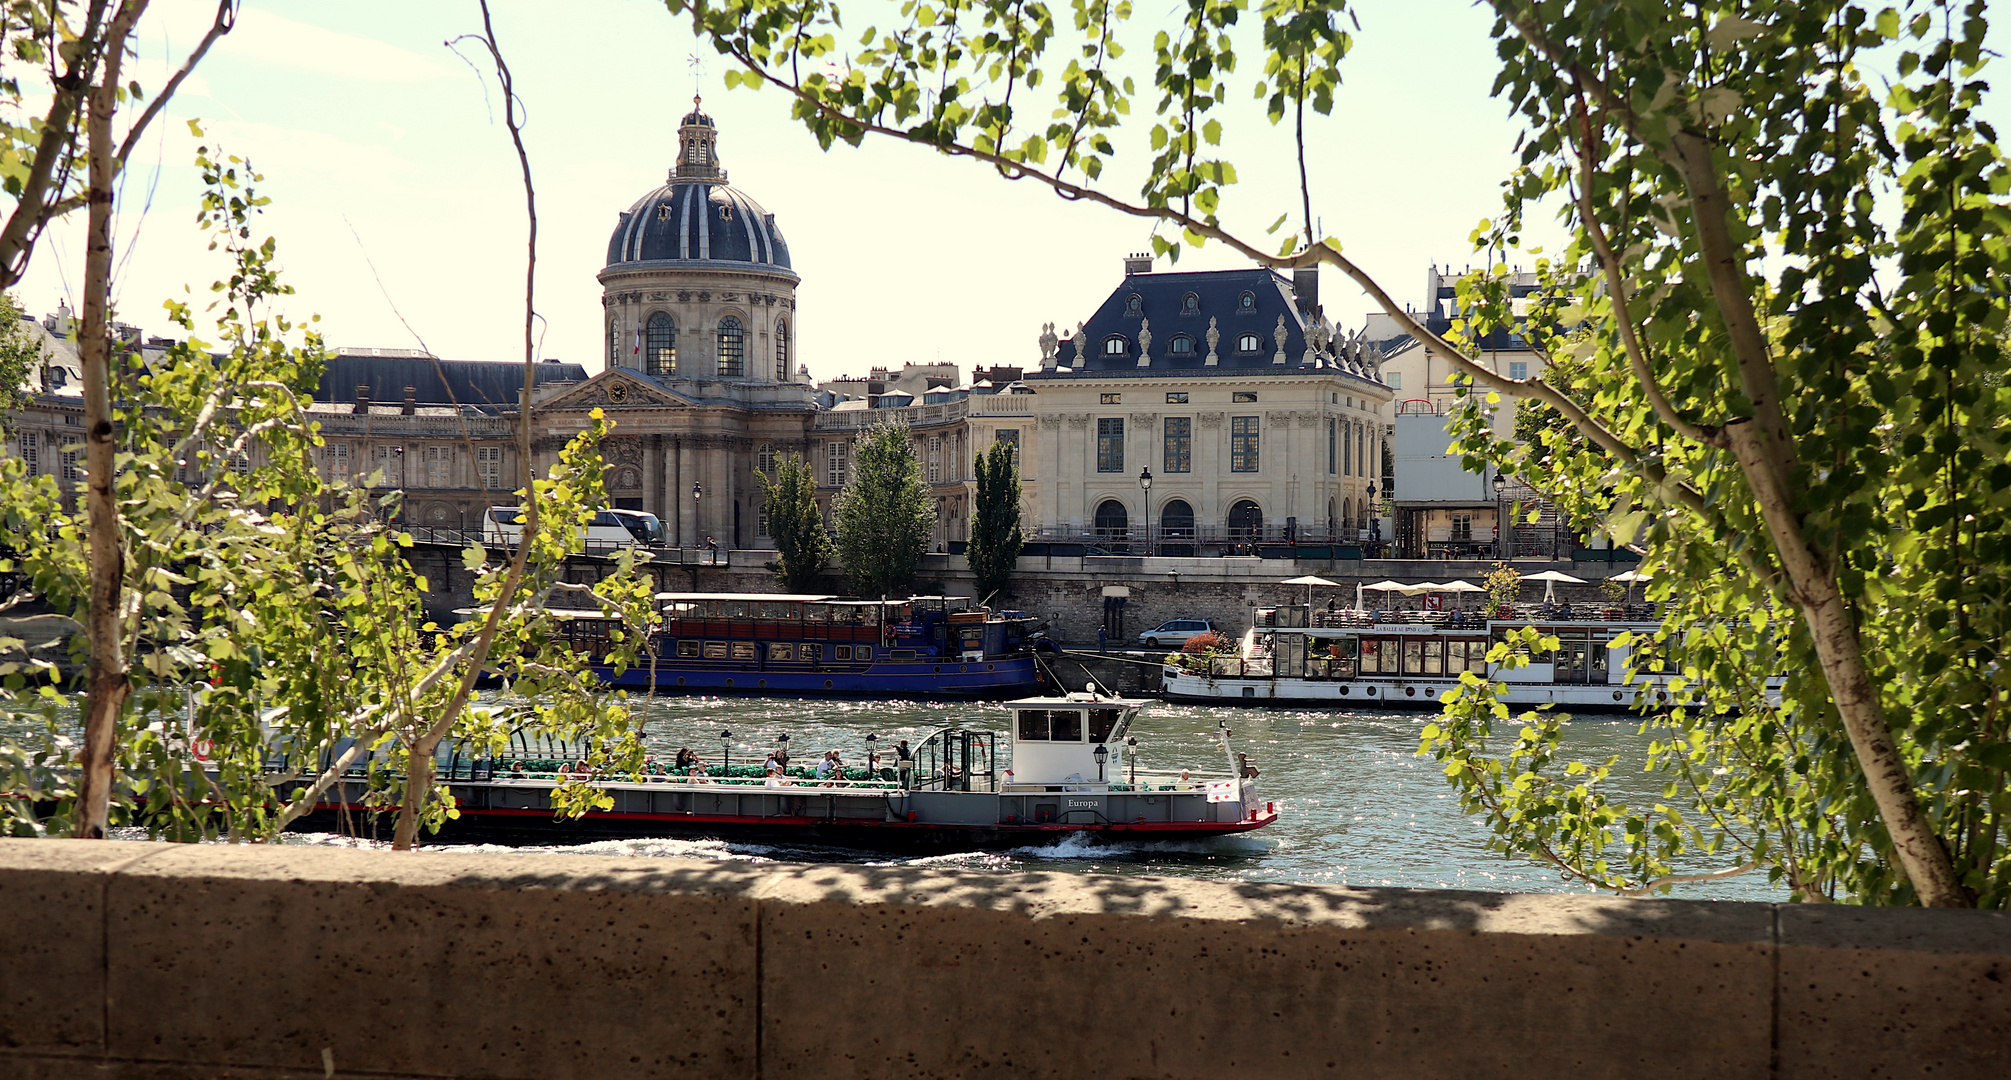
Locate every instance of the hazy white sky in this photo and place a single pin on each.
(381, 147)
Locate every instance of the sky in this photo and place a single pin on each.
(399, 212)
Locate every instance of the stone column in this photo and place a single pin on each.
(687, 514)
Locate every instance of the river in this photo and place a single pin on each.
(1356, 804)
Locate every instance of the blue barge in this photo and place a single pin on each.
(931, 647)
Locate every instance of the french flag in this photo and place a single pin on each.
(637, 351)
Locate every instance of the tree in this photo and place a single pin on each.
(995, 541)
(1809, 446)
(802, 546)
(884, 518)
(21, 359)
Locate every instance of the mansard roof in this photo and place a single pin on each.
(487, 383)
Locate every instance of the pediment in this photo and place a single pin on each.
(618, 388)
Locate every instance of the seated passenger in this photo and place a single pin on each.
(776, 779)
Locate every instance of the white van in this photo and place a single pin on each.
(503, 525)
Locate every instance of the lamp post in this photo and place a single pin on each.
(1375, 518)
(726, 753)
(872, 753)
(1102, 755)
(1501, 542)
(1145, 485)
(1131, 750)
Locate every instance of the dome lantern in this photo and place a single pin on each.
(698, 146)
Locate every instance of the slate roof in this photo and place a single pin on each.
(471, 382)
(1179, 305)
(700, 220)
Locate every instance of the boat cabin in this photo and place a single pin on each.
(1068, 743)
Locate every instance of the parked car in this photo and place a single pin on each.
(1175, 632)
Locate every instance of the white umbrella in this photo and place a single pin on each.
(1309, 581)
(1630, 577)
(1550, 578)
(1461, 587)
(1385, 586)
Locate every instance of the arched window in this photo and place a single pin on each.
(613, 344)
(1112, 522)
(1246, 521)
(1115, 345)
(1176, 520)
(732, 348)
(1181, 345)
(1249, 343)
(659, 346)
(1246, 302)
(764, 458)
(782, 350)
(1190, 305)
(1134, 304)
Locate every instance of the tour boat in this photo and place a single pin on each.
(1058, 772)
(1384, 660)
(922, 647)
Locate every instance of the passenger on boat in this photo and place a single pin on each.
(777, 779)
(1185, 783)
(684, 759)
(904, 760)
(829, 768)
(1248, 770)
(517, 770)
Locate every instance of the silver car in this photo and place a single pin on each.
(1175, 632)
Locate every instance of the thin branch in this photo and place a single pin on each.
(1677, 879)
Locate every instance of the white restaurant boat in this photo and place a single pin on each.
(1408, 659)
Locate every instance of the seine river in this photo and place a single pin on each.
(1357, 805)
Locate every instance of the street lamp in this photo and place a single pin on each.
(1102, 755)
(872, 752)
(1131, 748)
(1145, 485)
(697, 493)
(1500, 519)
(1375, 516)
(726, 752)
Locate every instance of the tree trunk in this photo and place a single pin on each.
(106, 682)
(418, 780)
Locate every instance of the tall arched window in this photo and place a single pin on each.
(1246, 521)
(659, 346)
(1176, 521)
(782, 350)
(1111, 520)
(732, 348)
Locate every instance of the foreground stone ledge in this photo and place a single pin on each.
(161, 961)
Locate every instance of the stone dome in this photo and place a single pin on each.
(696, 216)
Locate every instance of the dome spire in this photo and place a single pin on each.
(698, 149)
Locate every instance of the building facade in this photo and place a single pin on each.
(1204, 408)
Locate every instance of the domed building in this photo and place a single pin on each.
(702, 381)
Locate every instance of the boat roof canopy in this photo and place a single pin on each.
(1077, 701)
(772, 598)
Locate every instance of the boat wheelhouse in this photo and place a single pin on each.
(779, 643)
(1057, 771)
(1382, 660)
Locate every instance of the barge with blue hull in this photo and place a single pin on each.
(922, 647)
(1058, 778)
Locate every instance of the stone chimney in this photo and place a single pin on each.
(1306, 286)
(1137, 262)
(411, 401)
(363, 398)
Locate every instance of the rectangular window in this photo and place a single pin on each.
(1176, 397)
(31, 451)
(781, 651)
(335, 456)
(1033, 725)
(743, 650)
(1434, 657)
(1518, 369)
(1413, 656)
(1067, 725)
(489, 464)
(688, 649)
(1009, 436)
(1110, 444)
(837, 463)
(1462, 527)
(841, 652)
(439, 466)
(715, 650)
(390, 460)
(761, 527)
(862, 652)
(1179, 444)
(1242, 397)
(1333, 427)
(1242, 444)
(1395, 379)
(935, 459)
(1112, 399)
(72, 466)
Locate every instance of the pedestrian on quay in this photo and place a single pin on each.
(1102, 638)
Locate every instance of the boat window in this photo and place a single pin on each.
(1372, 656)
(811, 653)
(1413, 656)
(862, 652)
(1067, 725)
(743, 650)
(1101, 721)
(1476, 656)
(816, 613)
(715, 650)
(738, 609)
(902, 654)
(842, 652)
(687, 648)
(781, 651)
(1033, 725)
(1434, 657)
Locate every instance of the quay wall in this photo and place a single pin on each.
(165, 962)
(1068, 591)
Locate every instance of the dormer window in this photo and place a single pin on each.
(1115, 345)
(1134, 304)
(1190, 305)
(1249, 343)
(1181, 345)
(1247, 302)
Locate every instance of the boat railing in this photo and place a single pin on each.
(1158, 780)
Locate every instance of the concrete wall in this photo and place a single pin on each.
(157, 961)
